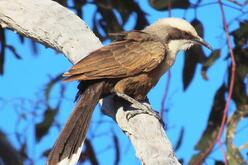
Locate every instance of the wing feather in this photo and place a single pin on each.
(120, 59)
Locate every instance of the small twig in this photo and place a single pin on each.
(169, 8)
(222, 151)
(235, 2)
(244, 146)
(237, 18)
(218, 139)
(232, 74)
(232, 7)
(202, 5)
(234, 153)
(163, 109)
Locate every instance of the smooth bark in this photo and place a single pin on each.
(55, 26)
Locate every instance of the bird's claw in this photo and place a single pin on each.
(131, 114)
(140, 108)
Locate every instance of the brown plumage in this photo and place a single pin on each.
(135, 52)
(130, 65)
(126, 65)
(74, 132)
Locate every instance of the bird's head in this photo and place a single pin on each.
(177, 33)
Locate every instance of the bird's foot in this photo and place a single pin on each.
(141, 108)
(131, 114)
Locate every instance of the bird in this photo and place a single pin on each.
(129, 67)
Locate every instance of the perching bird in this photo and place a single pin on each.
(129, 67)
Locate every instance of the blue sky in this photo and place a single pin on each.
(26, 78)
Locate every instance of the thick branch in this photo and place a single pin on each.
(145, 132)
(8, 154)
(55, 26)
(233, 153)
(50, 24)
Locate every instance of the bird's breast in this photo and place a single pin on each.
(164, 65)
(139, 85)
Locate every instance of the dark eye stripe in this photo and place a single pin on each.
(176, 34)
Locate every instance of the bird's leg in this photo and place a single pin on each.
(136, 103)
(142, 108)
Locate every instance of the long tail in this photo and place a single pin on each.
(69, 144)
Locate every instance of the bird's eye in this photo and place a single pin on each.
(176, 34)
(188, 36)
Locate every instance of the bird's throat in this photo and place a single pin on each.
(175, 46)
(169, 60)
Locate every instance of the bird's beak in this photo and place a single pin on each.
(200, 41)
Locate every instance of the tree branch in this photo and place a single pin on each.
(233, 153)
(50, 24)
(54, 26)
(8, 154)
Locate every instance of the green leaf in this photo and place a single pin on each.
(34, 47)
(241, 34)
(240, 51)
(190, 63)
(198, 27)
(21, 38)
(180, 140)
(117, 149)
(218, 162)
(214, 120)
(14, 52)
(175, 4)
(211, 131)
(234, 155)
(209, 62)
(46, 152)
(193, 56)
(62, 2)
(239, 92)
(8, 153)
(50, 85)
(78, 7)
(90, 152)
(42, 128)
(2, 53)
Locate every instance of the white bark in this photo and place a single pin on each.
(54, 26)
(50, 24)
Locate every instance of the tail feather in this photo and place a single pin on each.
(68, 146)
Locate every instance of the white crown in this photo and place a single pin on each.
(177, 23)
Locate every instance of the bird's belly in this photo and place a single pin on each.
(136, 87)
(161, 69)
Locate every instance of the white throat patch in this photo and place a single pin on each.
(175, 46)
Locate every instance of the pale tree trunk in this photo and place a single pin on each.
(55, 26)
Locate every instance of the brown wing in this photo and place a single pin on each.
(137, 52)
